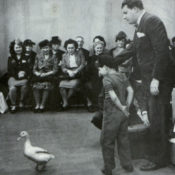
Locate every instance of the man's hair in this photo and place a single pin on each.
(80, 37)
(133, 3)
(173, 39)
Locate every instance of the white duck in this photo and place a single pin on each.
(39, 155)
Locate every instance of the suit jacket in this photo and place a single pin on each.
(151, 47)
(85, 53)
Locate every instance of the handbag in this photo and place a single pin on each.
(3, 104)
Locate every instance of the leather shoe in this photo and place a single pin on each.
(128, 168)
(151, 166)
(91, 108)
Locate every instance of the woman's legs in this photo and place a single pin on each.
(45, 95)
(12, 91)
(64, 96)
(22, 95)
(13, 95)
(36, 93)
(70, 93)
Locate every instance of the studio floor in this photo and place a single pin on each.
(68, 135)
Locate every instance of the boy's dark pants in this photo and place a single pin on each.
(114, 130)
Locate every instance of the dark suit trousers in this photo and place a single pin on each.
(159, 111)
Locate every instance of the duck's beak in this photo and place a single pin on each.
(19, 138)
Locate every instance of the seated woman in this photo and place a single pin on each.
(72, 64)
(93, 84)
(95, 40)
(18, 71)
(44, 69)
(121, 43)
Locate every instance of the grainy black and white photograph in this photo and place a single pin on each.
(87, 87)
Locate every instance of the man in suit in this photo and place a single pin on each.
(150, 48)
(80, 41)
(57, 53)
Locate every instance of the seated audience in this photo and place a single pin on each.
(73, 63)
(44, 70)
(18, 71)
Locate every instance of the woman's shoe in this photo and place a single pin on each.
(65, 107)
(13, 109)
(36, 110)
(42, 109)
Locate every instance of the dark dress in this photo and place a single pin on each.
(15, 66)
(92, 80)
(44, 66)
(31, 60)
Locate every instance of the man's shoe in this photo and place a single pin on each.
(152, 166)
(128, 168)
(91, 108)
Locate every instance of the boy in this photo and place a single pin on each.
(115, 116)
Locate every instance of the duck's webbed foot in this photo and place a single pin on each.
(41, 167)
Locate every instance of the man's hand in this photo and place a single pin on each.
(125, 111)
(154, 87)
(173, 118)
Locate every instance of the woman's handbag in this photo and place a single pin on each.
(3, 104)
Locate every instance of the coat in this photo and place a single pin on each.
(151, 47)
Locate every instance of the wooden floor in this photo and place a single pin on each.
(68, 135)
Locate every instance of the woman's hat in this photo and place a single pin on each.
(28, 42)
(44, 43)
(55, 40)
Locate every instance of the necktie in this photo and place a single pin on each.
(136, 27)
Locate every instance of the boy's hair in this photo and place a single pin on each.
(133, 3)
(107, 60)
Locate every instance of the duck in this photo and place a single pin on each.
(38, 155)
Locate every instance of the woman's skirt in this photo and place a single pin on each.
(43, 85)
(69, 84)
